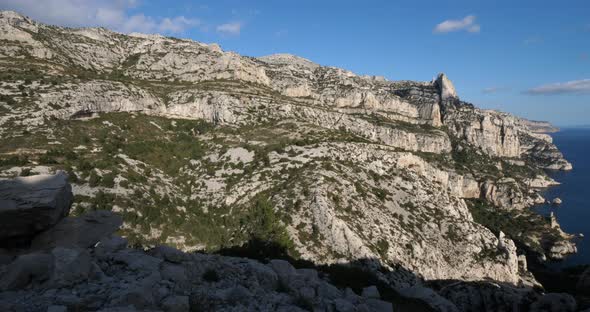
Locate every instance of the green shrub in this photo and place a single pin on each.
(14, 161)
(382, 247)
(25, 172)
(102, 201)
(94, 179)
(266, 226)
(108, 180)
(85, 166)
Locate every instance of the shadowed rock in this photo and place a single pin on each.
(83, 232)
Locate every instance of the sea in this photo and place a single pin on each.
(574, 213)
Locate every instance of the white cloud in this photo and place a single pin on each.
(111, 14)
(178, 24)
(230, 28)
(466, 24)
(569, 87)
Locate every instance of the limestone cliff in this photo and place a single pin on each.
(180, 136)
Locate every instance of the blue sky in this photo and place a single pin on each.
(531, 59)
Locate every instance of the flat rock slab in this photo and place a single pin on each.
(81, 232)
(29, 205)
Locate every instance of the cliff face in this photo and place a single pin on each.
(179, 136)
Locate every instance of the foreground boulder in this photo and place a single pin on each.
(29, 205)
(109, 276)
(81, 232)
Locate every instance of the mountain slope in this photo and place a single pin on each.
(203, 149)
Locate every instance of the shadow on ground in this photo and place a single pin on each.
(354, 275)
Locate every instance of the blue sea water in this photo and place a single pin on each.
(574, 213)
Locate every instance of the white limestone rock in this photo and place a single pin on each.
(446, 87)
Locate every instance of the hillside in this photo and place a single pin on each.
(204, 149)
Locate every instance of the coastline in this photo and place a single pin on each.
(571, 213)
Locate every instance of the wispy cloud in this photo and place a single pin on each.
(178, 24)
(569, 87)
(112, 14)
(233, 28)
(468, 24)
(492, 90)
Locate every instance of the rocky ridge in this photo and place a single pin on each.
(178, 135)
(80, 265)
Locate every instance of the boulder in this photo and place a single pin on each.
(109, 245)
(491, 296)
(34, 267)
(176, 304)
(72, 266)
(137, 260)
(430, 297)
(371, 292)
(29, 205)
(139, 294)
(554, 302)
(342, 305)
(169, 254)
(376, 305)
(173, 272)
(557, 201)
(238, 294)
(134, 296)
(284, 270)
(56, 308)
(79, 232)
(328, 291)
(265, 275)
(307, 295)
(583, 284)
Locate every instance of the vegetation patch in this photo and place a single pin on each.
(523, 226)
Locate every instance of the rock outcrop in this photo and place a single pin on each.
(486, 296)
(29, 205)
(446, 87)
